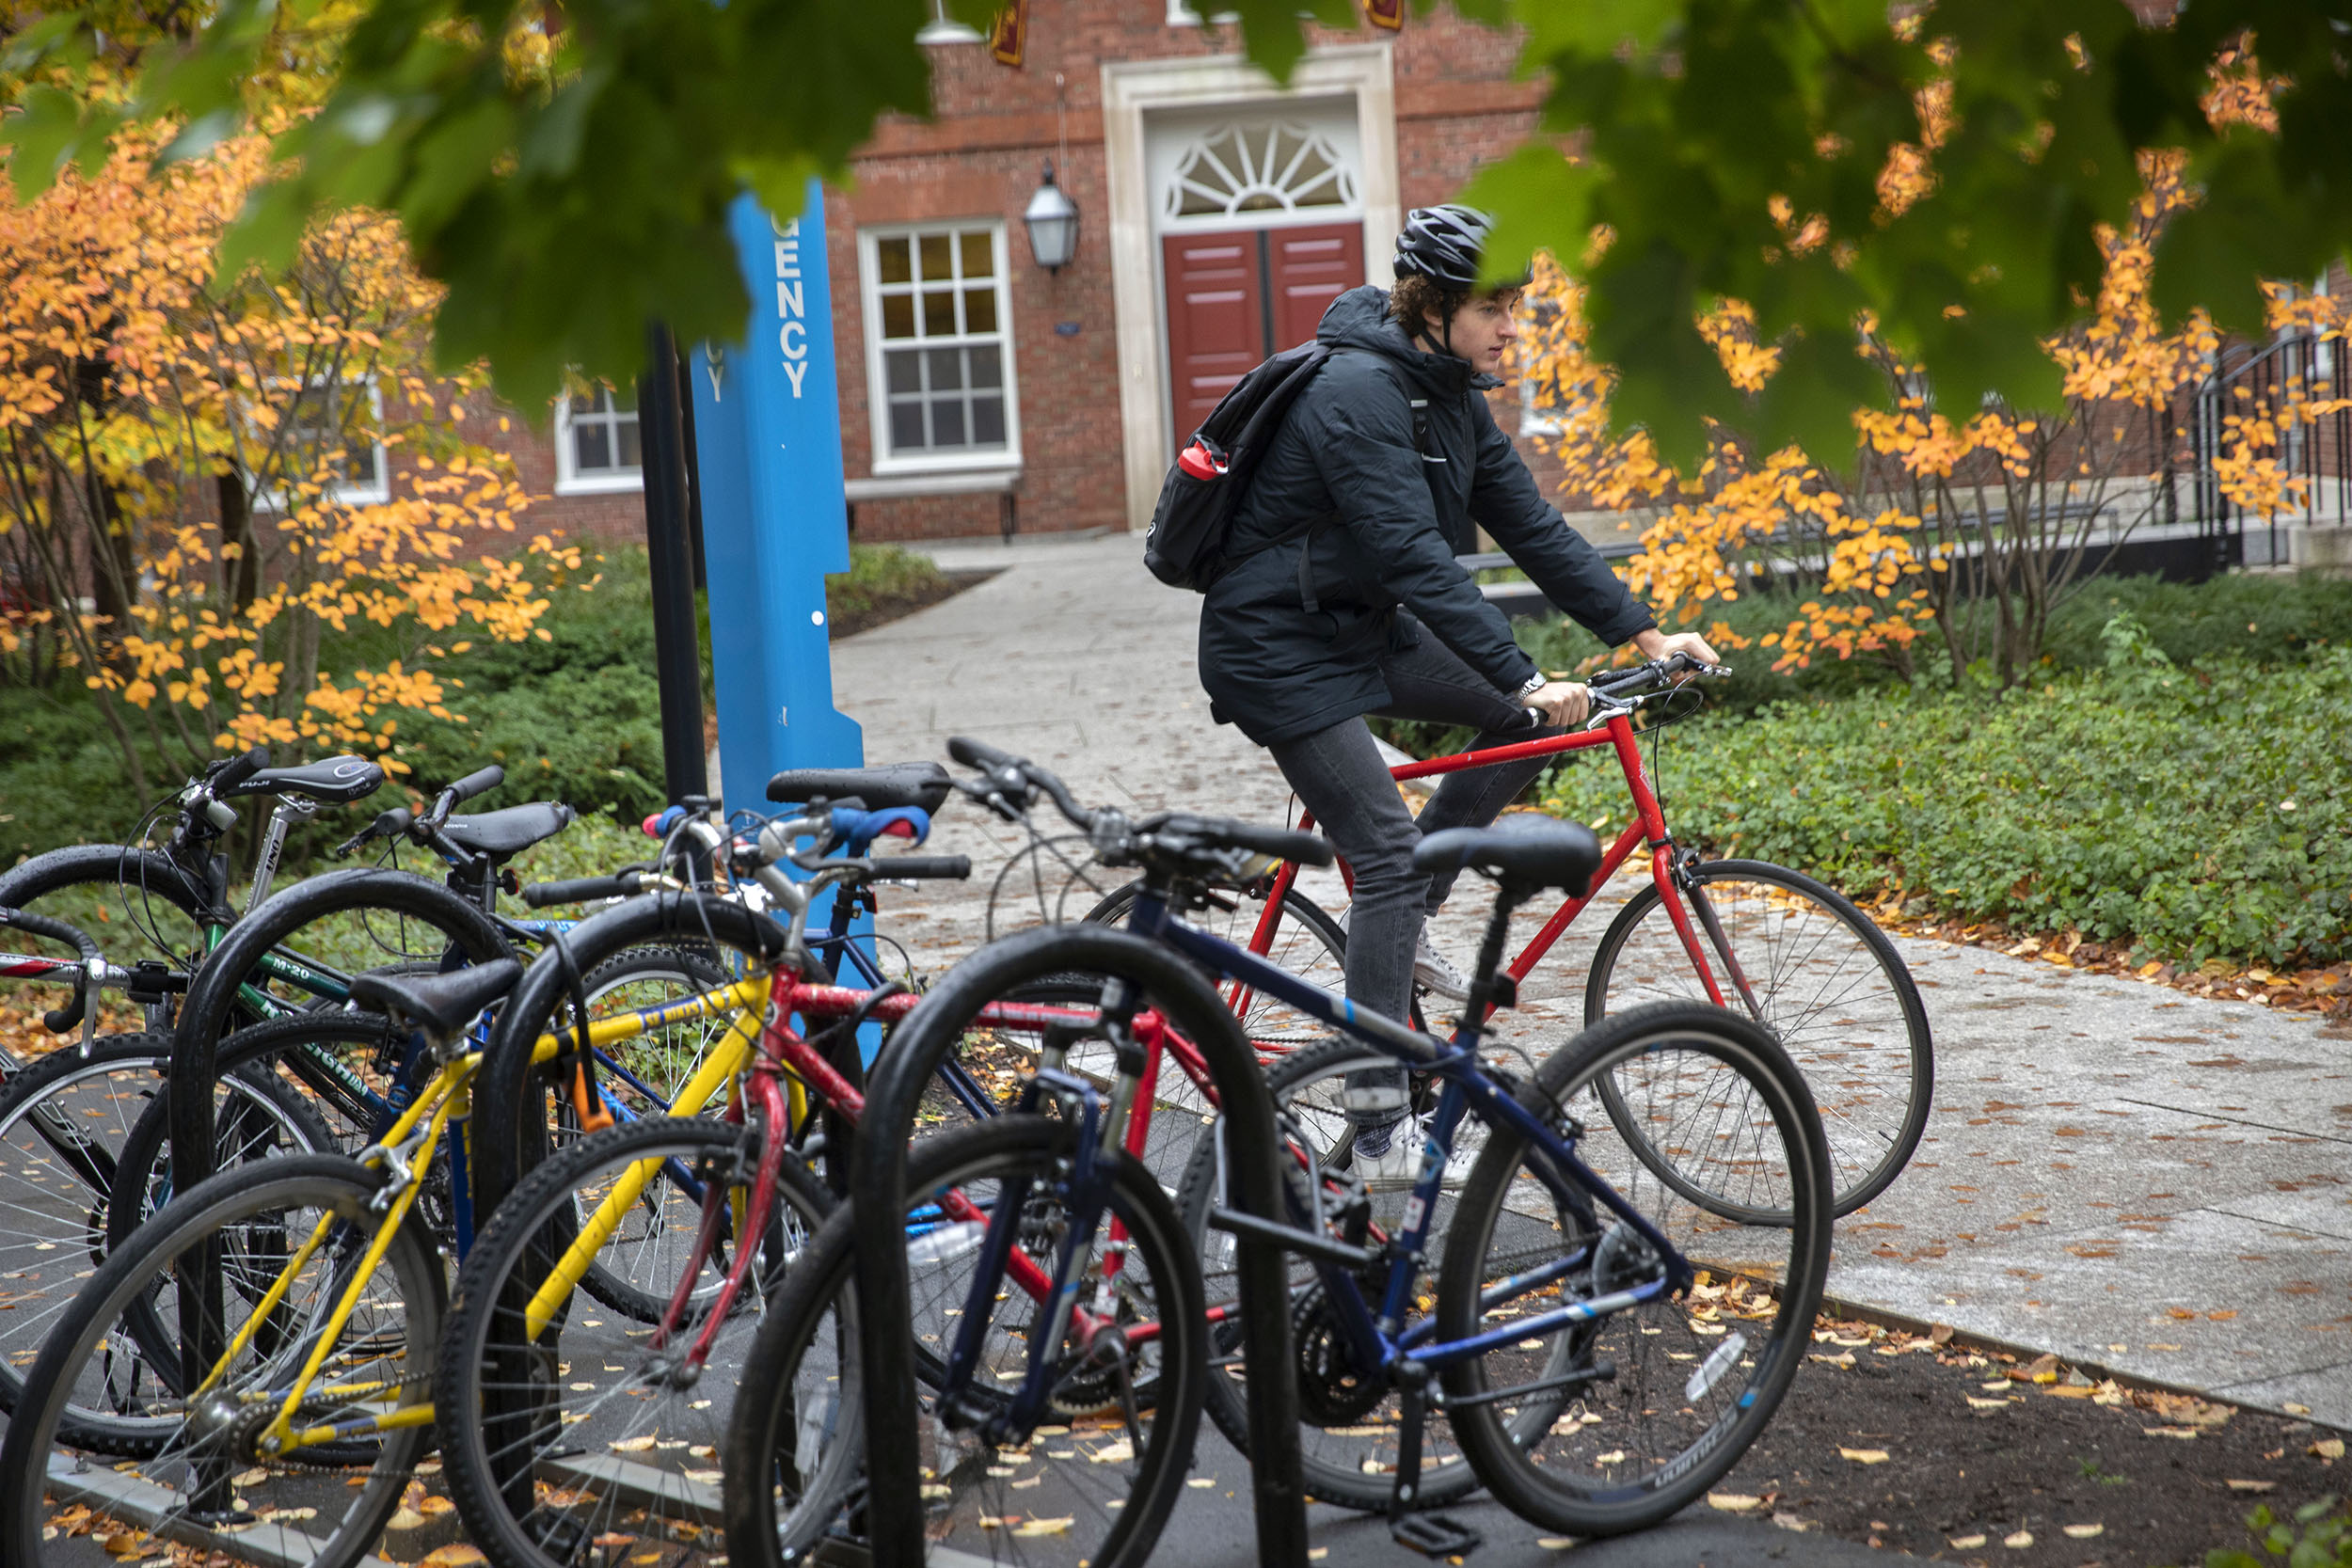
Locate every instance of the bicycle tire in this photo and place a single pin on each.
(523, 1406)
(1639, 958)
(67, 1129)
(1336, 1438)
(796, 1343)
(1650, 1365)
(165, 1445)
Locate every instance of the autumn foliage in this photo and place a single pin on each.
(198, 505)
(1951, 528)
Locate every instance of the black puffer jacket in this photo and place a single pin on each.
(1387, 521)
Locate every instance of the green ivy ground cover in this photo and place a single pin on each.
(2200, 810)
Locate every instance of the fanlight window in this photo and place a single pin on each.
(1259, 168)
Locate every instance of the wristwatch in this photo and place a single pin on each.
(1535, 683)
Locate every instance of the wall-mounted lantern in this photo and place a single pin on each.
(1052, 219)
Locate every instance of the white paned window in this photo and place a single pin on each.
(1267, 167)
(596, 443)
(343, 419)
(939, 347)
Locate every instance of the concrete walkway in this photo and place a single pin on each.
(2137, 1180)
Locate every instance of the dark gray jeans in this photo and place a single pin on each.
(1339, 776)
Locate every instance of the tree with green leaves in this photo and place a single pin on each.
(1937, 173)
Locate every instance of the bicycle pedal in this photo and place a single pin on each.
(1435, 1534)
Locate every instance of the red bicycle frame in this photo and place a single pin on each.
(1649, 825)
(782, 1049)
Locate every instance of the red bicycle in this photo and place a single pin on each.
(1760, 938)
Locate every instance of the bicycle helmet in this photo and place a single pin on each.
(1443, 245)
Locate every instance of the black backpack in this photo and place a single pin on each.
(1185, 547)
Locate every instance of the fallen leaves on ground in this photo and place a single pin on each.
(2326, 991)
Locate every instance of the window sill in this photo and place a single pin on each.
(607, 484)
(894, 486)
(273, 503)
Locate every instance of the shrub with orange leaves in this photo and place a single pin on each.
(1970, 525)
(210, 480)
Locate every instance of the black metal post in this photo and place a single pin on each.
(878, 1169)
(670, 552)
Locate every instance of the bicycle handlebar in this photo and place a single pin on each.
(479, 782)
(237, 770)
(950, 868)
(59, 1019)
(57, 930)
(980, 753)
(1012, 775)
(1612, 683)
(1285, 844)
(622, 884)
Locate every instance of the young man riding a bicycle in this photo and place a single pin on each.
(1343, 555)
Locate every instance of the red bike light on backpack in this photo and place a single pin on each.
(1202, 460)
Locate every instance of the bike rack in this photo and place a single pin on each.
(878, 1183)
(204, 1014)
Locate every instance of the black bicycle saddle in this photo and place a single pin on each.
(897, 784)
(501, 834)
(1526, 853)
(440, 1004)
(335, 780)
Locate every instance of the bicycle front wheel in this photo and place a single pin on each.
(78, 1171)
(1825, 981)
(1092, 1489)
(294, 1270)
(1618, 1397)
(584, 1431)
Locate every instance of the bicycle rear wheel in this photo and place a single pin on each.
(575, 1436)
(1827, 983)
(1092, 1490)
(1349, 1415)
(194, 1472)
(1634, 1403)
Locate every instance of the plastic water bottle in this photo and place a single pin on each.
(945, 1243)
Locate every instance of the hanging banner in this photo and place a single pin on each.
(1011, 35)
(767, 445)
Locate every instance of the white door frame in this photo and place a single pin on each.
(1130, 88)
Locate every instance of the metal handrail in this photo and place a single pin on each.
(2318, 452)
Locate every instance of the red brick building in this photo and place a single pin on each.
(1217, 216)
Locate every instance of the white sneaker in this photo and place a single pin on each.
(1434, 970)
(1398, 1166)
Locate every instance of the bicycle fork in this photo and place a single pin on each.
(1680, 875)
(1087, 1196)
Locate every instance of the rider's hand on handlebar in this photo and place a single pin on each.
(1564, 703)
(1656, 645)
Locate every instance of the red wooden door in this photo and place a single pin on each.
(1237, 296)
(1310, 268)
(1216, 320)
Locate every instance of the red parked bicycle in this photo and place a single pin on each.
(1759, 939)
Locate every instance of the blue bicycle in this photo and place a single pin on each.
(1594, 1331)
